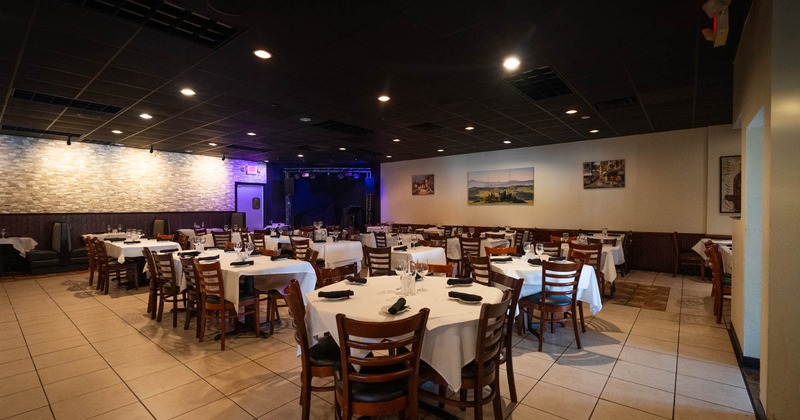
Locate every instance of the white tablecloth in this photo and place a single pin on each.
(454, 247)
(451, 331)
(121, 250)
(607, 265)
(392, 239)
(104, 236)
(275, 243)
(430, 231)
(386, 229)
(235, 237)
(508, 235)
(433, 255)
(588, 291)
(337, 254)
(725, 248)
(22, 244)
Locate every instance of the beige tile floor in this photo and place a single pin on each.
(66, 352)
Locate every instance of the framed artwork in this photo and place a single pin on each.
(422, 184)
(502, 186)
(730, 184)
(604, 174)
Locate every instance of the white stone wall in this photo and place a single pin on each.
(47, 176)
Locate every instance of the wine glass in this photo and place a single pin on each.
(539, 250)
(422, 269)
(527, 247)
(413, 241)
(235, 227)
(108, 228)
(225, 228)
(2, 233)
(400, 266)
(249, 247)
(335, 235)
(565, 237)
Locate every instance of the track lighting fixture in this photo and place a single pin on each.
(223, 157)
(69, 140)
(151, 148)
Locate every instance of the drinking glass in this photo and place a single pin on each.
(237, 246)
(249, 247)
(422, 269)
(582, 239)
(539, 250)
(400, 266)
(527, 247)
(565, 237)
(508, 228)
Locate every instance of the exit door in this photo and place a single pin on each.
(250, 201)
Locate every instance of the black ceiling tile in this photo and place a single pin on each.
(118, 89)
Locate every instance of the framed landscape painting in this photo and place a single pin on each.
(604, 174)
(502, 186)
(422, 184)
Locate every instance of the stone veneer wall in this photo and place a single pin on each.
(47, 176)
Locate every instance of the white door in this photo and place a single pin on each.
(250, 201)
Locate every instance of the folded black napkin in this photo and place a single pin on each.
(189, 253)
(515, 255)
(418, 277)
(132, 242)
(115, 239)
(319, 242)
(166, 251)
(353, 279)
(501, 259)
(238, 263)
(534, 262)
(558, 258)
(274, 236)
(401, 248)
(335, 294)
(98, 233)
(278, 257)
(465, 296)
(451, 282)
(397, 307)
(209, 258)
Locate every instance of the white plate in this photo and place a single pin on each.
(385, 310)
(468, 302)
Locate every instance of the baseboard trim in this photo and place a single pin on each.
(747, 363)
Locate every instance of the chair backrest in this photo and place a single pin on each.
(492, 235)
(209, 277)
(491, 326)
(297, 310)
(300, 247)
(480, 268)
(500, 251)
(245, 236)
(160, 226)
(183, 241)
(165, 236)
(200, 231)
(394, 349)
(626, 243)
(99, 252)
(311, 256)
(611, 241)
(554, 238)
(379, 261)
(715, 262)
(270, 252)
(238, 219)
(326, 276)
(560, 279)
(221, 239)
(448, 270)
(187, 264)
(380, 240)
(594, 254)
(165, 267)
(448, 231)
(469, 246)
(507, 283)
(519, 238)
(259, 240)
(552, 249)
(151, 264)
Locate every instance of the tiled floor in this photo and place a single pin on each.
(66, 352)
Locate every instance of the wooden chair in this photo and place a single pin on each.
(721, 282)
(449, 270)
(499, 251)
(480, 268)
(504, 282)
(270, 252)
(686, 256)
(200, 232)
(448, 231)
(169, 291)
(554, 238)
(468, 246)
(167, 236)
(192, 293)
(626, 244)
(259, 241)
(481, 372)
(212, 293)
(519, 239)
(594, 257)
(317, 360)
(160, 226)
(380, 240)
(87, 242)
(326, 276)
(388, 377)
(106, 267)
(300, 247)
(558, 296)
(183, 241)
(221, 239)
(380, 260)
(552, 249)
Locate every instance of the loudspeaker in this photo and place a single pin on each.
(288, 186)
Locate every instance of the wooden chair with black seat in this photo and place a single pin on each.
(386, 379)
(448, 270)
(504, 283)
(558, 296)
(87, 242)
(721, 282)
(259, 241)
(192, 293)
(519, 239)
(327, 276)
(316, 360)
(300, 247)
(221, 239)
(480, 268)
(380, 260)
(380, 240)
(482, 372)
(467, 246)
(107, 267)
(169, 291)
(552, 249)
(594, 257)
(214, 304)
(686, 256)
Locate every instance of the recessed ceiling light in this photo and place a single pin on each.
(384, 98)
(212, 144)
(187, 92)
(585, 117)
(572, 111)
(305, 119)
(188, 151)
(250, 133)
(389, 156)
(342, 148)
(116, 131)
(145, 116)
(511, 63)
(266, 161)
(117, 144)
(396, 140)
(440, 150)
(507, 141)
(594, 131)
(469, 128)
(262, 54)
(299, 155)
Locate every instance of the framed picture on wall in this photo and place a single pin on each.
(730, 184)
(502, 186)
(422, 184)
(604, 174)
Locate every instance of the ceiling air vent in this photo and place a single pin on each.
(341, 127)
(423, 127)
(38, 131)
(248, 148)
(26, 95)
(165, 17)
(538, 84)
(618, 103)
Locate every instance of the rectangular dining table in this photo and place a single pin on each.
(450, 334)
(337, 254)
(21, 243)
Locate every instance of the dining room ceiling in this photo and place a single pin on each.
(79, 69)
